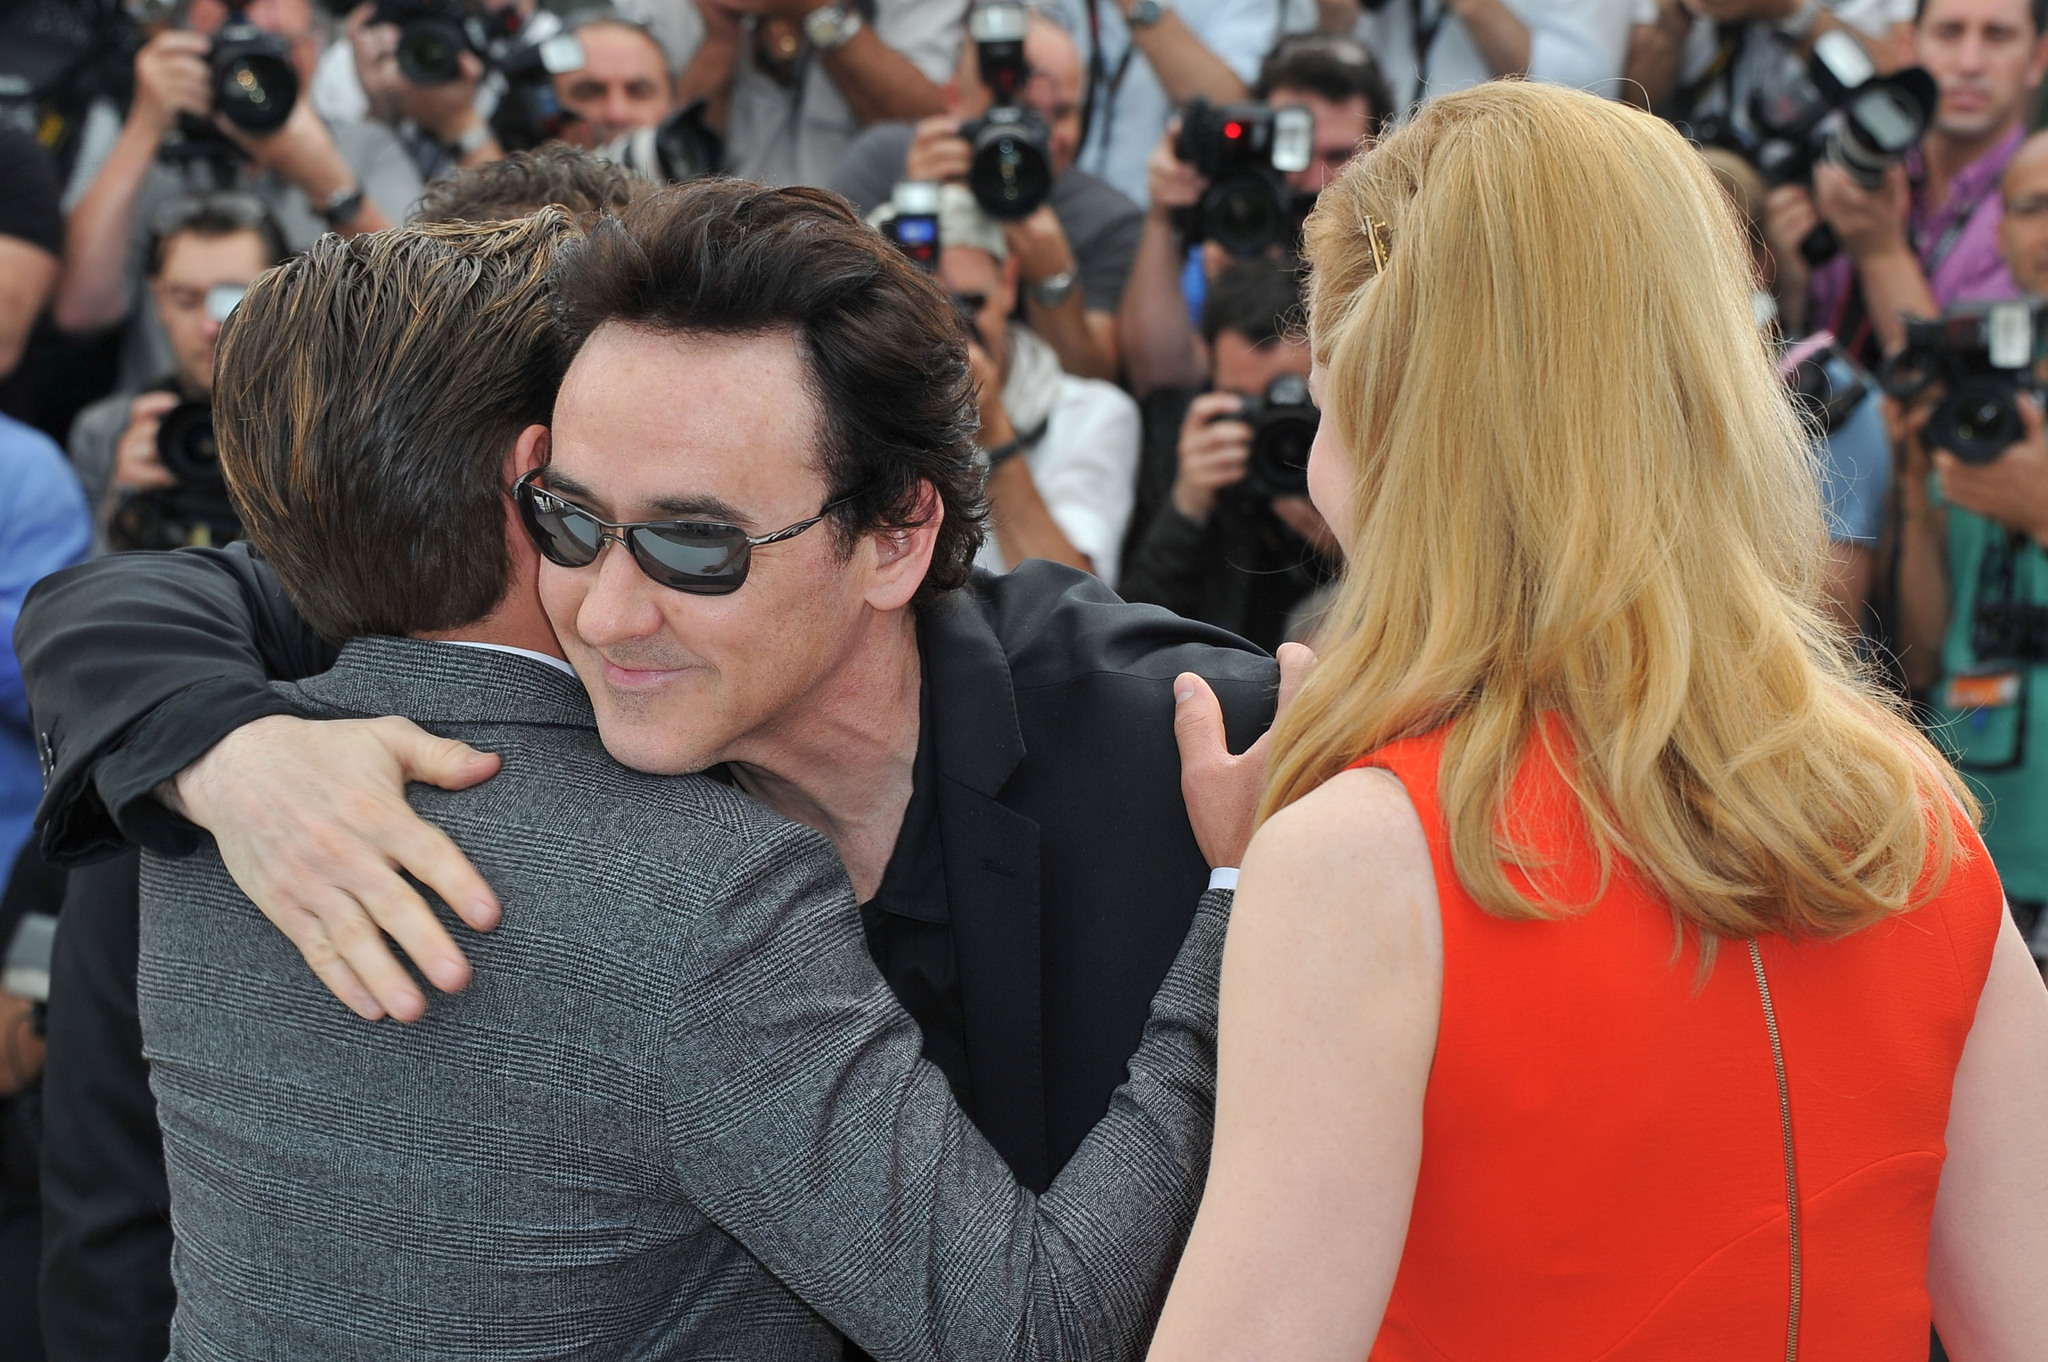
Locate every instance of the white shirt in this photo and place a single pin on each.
(557, 663)
(779, 135)
(1571, 42)
(1086, 465)
(1131, 106)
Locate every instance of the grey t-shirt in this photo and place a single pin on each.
(1101, 224)
(381, 164)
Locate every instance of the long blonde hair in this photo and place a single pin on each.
(1580, 490)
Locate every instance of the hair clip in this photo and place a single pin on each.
(1373, 229)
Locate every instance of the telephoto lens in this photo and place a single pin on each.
(255, 85)
(1283, 426)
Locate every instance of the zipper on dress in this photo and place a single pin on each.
(1763, 988)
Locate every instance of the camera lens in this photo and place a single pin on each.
(1009, 173)
(430, 53)
(185, 443)
(1243, 216)
(1976, 422)
(255, 91)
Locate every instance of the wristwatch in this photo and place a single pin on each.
(830, 28)
(1145, 13)
(342, 207)
(1054, 289)
(1800, 22)
(471, 142)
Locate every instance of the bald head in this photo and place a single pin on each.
(2023, 231)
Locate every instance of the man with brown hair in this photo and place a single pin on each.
(106, 1291)
(679, 1110)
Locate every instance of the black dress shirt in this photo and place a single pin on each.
(909, 927)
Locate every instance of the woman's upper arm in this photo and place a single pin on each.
(1332, 980)
(1991, 1215)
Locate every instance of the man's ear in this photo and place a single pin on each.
(904, 556)
(529, 451)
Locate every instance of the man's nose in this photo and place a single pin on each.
(620, 603)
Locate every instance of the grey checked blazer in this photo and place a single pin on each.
(677, 1114)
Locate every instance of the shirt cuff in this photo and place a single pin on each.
(1224, 877)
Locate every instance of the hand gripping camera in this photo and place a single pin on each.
(1010, 165)
(433, 35)
(1982, 355)
(1844, 113)
(1245, 151)
(255, 84)
(1283, 423)
(193, 511)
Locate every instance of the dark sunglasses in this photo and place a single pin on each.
(702, 557)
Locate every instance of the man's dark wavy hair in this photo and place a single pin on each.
(885, 356)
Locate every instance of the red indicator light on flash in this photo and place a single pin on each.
(1233, 130)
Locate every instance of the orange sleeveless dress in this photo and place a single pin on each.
(1604, 1166)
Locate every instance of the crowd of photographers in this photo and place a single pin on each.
(1111, 191)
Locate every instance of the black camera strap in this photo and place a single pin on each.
(1951, 235)
(1102, 86)
(1423, 35)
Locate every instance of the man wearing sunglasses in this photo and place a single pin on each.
(994, 759)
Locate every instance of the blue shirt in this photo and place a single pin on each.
(1856, 467)
(44, 526)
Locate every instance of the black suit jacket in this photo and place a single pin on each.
(1071, 870)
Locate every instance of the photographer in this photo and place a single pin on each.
(625, 82)
(205, 250)
(1146, 58)
(1074, 251)
(445, 125)
(1706, 64)
(801, 78)
(1224, 546)
(353, 177)
(1972, 560)
(1929, 237)
(1337, 80)
(1062, 450)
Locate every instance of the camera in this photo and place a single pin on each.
(1245, 151)
(915, 226)
(1842, 112)
(1983, 356)
(193, 511)
(254, 82)
(1826, 384)
(1283, 423)
(433, 35)
(1009, 166)
(680, 147)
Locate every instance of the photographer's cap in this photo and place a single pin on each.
(961, 222)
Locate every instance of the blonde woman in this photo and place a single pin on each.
(1616, 973)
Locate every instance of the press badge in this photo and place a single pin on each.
(1982, 690)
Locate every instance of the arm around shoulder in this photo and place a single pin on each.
(1332, 982)
(135, 665)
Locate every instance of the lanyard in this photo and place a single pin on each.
(1945, 244)
(1424, 36)
(1100, 82)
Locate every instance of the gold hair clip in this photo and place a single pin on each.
(1373, 228)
